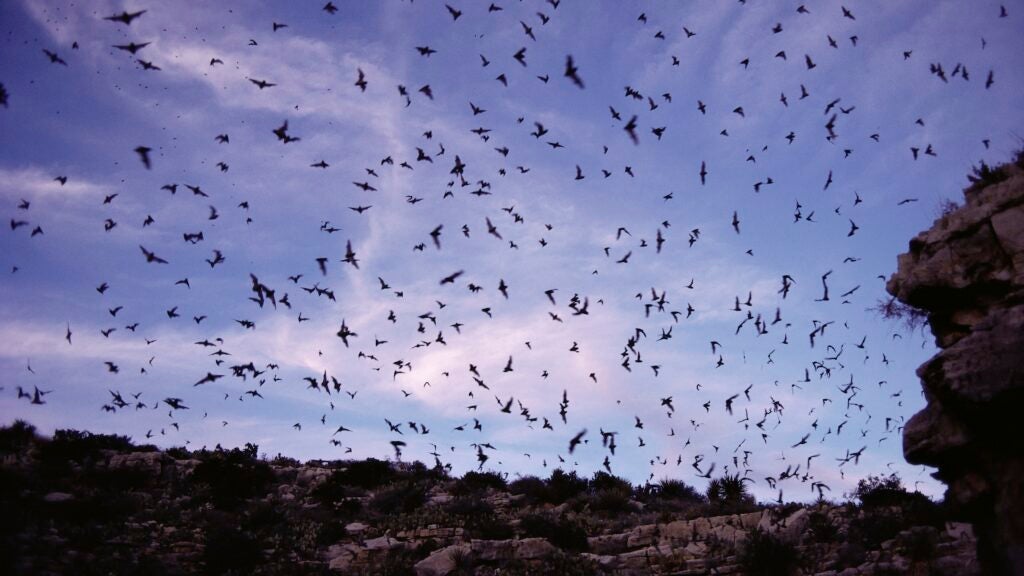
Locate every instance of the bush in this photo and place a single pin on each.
(230, 551)
(419, 471)
(179, 453)
(764, 555)
(16, 437)
(473, 482)
(285, 461)
(919, 543)
(874, 526)
(605, 481)
(370, 473)
(467, 506)
(232, 475)
(670, 489)
(881, 491)
(333, 490)
(401, 498)
(561, 532)
(81, 446)
(985, 175)
(820, 527)
(479, 519)
(562, 486)
(612, 501)
(532, 487)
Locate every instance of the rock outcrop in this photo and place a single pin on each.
(967, 273)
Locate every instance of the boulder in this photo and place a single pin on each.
(383, 543)
(441, 562)
(533, 549)
(355, 528)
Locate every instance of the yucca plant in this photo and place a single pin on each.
(730, 489)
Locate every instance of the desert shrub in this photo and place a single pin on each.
(232, 476)
(479, 519)
(478, 482)
(874, 526)
(490, 527)
(765, 555)
(532, 487)
(370, 473)
(178, 453)
(395, 563)
(986, 175)
(16, 437)
(612, 501)
(264, 517)
(561, 532)
(83, 447)
(671, 489)
(402, 497)
(880, 491)
(468, 506)
(230, 551)
(420, 471)
(285, 461)
(878, 494)
(605, 481)
(463, 560)
(919, 543)
(729, 491)
(333, 490)
(562, 486)
(820, 527)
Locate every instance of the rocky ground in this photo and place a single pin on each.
(94, 504)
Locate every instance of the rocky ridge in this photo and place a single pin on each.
(78, 505)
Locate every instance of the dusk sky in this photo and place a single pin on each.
(827, 141)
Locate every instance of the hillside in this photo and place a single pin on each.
(96, 504)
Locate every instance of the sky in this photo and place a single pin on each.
(534, 184)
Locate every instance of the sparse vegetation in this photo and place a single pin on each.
(238, 513)
(478, 481)
(912, 318)
(984, 175)
(560, 531)
(765, 555)
(403, 497)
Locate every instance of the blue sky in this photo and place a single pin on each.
(84, 120)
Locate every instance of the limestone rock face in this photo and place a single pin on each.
(967, 273)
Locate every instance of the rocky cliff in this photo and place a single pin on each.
(967, 273)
